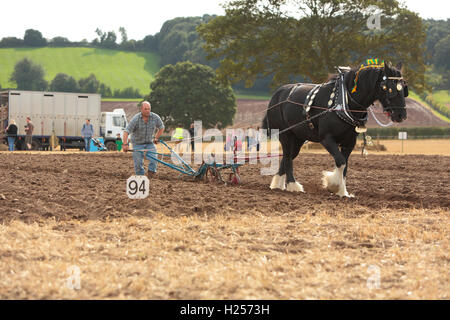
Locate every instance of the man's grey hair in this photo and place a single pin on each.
(145, 102)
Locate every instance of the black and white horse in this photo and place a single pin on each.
(333, 114)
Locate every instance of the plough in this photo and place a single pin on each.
(210, 172)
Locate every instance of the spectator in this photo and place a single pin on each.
(250, 138)
(87, 132)
(191, 133)
(229, 142)
(258, 138)
(29, 133)
(11, 132)
(119, 142)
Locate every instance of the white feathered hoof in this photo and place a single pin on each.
(294, 187)
(334, 182)
(343, 191)
(278, 182)
(331, 181)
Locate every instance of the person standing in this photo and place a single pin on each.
(87, 132)
(11, 132)
(258, 139)
(191, 133)
(145, 128)
(118, 142)
(29, 133)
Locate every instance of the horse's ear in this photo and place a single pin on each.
(387, 65)
(399, 66)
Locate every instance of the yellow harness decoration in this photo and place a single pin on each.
(370, 63)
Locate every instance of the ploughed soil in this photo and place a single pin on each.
(36, 186)
(69, 231)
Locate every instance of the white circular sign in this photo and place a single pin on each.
(138, 187)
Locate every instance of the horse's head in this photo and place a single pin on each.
(384, 83)
(392, 91)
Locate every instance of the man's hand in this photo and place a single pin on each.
(156, 141)
(125, 147)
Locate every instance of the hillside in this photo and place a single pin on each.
(117, 69)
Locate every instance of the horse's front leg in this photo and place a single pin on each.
(334, 181)
(346, 150)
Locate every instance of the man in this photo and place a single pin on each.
(142, 128)
(11, 132)
(191, 133)
(87, 132)
(29, 133)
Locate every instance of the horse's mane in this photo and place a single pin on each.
(334, 76)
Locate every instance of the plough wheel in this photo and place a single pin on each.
(235, 178)
(211, 175)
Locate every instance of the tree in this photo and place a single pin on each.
(436, 31)
(106, 40)
(442, 54)
(64, 83)
(186, 92)
(29, 76)
(262, 37)
(59, 42)
(179, 41)
(34, 38)
(128, 92)
(104, 90)
(150, 43)
(11, 42)
(123, 34)
(89, 84)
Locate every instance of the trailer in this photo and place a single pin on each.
(60, 114)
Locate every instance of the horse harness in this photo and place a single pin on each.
(339, 98)
(308, 101)
(338, 102)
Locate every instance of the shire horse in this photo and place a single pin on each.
(333, 113)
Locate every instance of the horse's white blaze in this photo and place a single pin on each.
(334, 182)
(294, 187)
(278, 182)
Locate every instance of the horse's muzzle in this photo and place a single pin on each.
(398, 116)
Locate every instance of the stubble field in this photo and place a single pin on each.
(67, 216)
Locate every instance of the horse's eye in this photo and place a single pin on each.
(399, 87)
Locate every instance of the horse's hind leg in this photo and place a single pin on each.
(335, 181)
(291, 147)
(279, 180)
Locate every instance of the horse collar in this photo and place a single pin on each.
(340, 97)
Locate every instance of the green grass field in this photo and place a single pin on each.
(416, 97)
(252, 95)
(117, 69)
(442, 96)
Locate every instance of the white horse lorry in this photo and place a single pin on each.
(59, 114)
